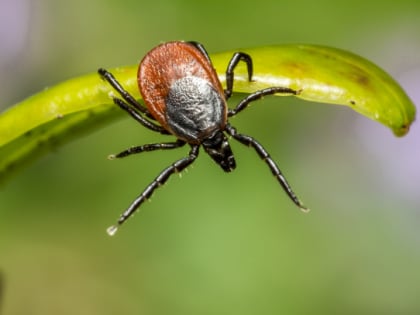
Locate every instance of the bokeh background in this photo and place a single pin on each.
(213, 243)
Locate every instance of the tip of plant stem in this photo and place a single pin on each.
(112, 157)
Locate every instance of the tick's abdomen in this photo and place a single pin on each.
(194, 109)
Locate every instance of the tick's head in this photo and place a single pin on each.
(217, 146)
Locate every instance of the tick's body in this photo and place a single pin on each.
(182, 92)
(184, 96)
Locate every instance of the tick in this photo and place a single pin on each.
(184, 98)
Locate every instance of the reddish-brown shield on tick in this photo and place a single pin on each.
(184, 98)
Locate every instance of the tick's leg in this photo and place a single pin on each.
(258, 95)
(147, 148)
(201, 48)
(137, 116)
(108, 76)
(176, 167)
(238, 56)
(251, 142)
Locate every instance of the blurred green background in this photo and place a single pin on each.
(213, 243)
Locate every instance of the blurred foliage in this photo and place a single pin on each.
(213, 243)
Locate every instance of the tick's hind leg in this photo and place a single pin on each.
(258, 95)
(148, 148)
(137, 116)
(251, 142)
(238, 56)
(178, 166)
(129, 104)
(108, 76)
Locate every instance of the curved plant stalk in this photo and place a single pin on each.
(322, 74)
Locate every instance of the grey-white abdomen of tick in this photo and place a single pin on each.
(194, 109)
